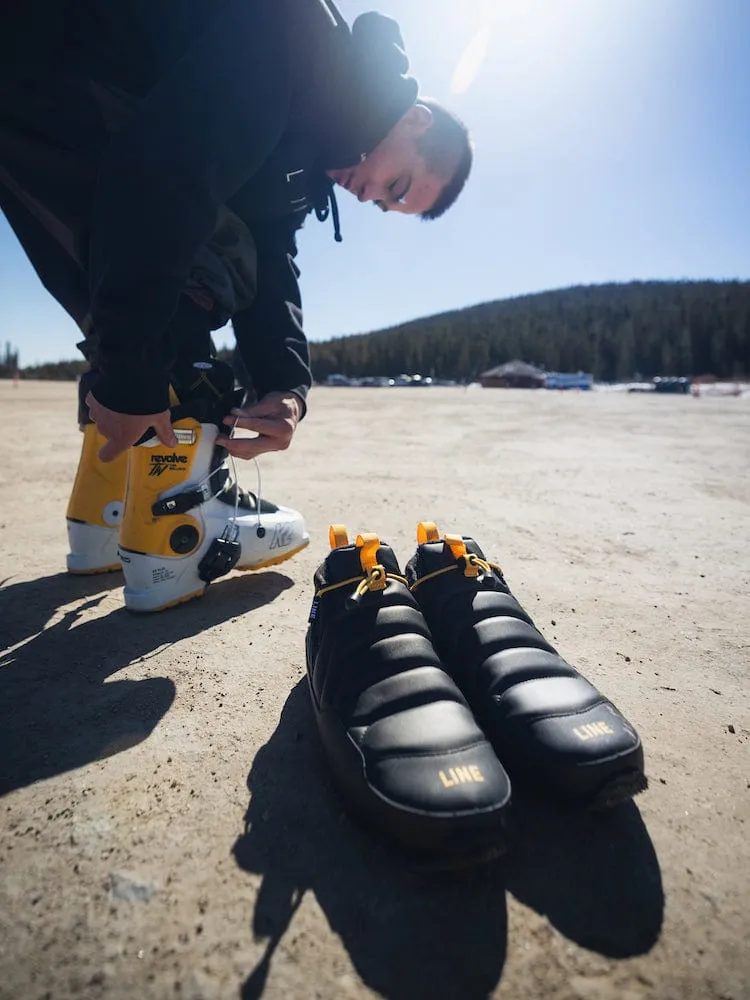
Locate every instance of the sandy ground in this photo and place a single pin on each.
(133, 752)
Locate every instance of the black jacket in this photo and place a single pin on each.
(244, 103)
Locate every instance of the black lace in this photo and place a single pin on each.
(325, 205)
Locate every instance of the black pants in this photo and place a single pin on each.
(46, 195)
(133, 203)
(63, 275)
(193, 342)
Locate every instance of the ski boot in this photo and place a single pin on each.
(95, 508)
(186, 521)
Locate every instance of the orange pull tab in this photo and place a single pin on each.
(338, 536)
(456, 544)
(475, 566)
(368, 545)
(427, 532)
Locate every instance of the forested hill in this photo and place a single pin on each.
(613, 331)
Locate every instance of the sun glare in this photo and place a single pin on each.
(471, 61)
(535, 33)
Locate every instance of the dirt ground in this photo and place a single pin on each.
(167, 826)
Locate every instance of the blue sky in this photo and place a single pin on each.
(612, 143)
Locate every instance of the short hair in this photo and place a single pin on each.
(448, 152)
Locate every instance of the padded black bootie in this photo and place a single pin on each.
(404, 747)
(548, 724)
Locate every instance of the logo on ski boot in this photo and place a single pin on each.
(160, 463)
(283, 535)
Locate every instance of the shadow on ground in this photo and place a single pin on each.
(56, 711)
(442, 936)
(595, 876)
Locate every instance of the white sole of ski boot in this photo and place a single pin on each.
(154, 583)
(274, 560)
(93, 549)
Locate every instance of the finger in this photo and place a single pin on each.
(257, 408)
(274, 427)
(109, 451)
(233, 421)
(239, 417)
(247, 448)
(280, 406)
(164, 430)
(91, 404)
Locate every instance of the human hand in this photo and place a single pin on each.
(123, 429)
(274, 418)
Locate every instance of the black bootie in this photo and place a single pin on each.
(549, 726)
(404, 748)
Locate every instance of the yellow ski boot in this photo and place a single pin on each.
(186, 522)
(95, 508)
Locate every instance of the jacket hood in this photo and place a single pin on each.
(384, 89)
(356, 83)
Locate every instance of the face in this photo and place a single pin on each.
(395, 175)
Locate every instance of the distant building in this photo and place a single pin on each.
(513, 375)
(568, 380)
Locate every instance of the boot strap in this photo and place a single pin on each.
(181, 503)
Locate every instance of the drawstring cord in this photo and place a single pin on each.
(335, 212)
(329, 206)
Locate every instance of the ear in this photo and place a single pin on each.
(419, 119)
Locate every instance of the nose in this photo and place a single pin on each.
(370, 190)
